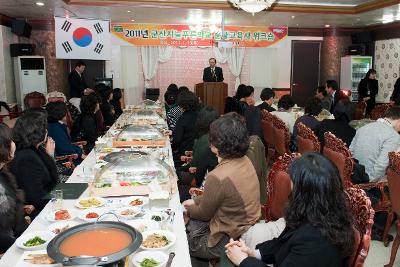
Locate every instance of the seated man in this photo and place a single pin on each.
(374, 141)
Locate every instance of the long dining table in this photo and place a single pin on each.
(14, 255)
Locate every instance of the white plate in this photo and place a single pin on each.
(102, 202)
(144, 225)
(128, 200)
(158, 256)
(82, 214)
(51, 216)
(22, 263)
(45, 235)
(169, 235)
(62, 224)
(136, 210)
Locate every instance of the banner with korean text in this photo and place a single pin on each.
(186, 35)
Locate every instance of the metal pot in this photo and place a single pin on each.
(53, 248)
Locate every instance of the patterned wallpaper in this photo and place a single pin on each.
(185, 68)
(57, 69)
(387, 65)
(333, 48)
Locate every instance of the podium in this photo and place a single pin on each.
(212, 94)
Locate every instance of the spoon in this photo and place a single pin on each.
(170, 258)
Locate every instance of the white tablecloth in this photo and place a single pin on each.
(182, 257)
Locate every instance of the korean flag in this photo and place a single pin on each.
(82, 39)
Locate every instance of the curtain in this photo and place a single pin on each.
(234, 57)
(151, 55)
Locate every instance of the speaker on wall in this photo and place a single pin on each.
(357, 50)
(21, 28)
(17, 50)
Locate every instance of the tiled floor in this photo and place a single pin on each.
(379, 255)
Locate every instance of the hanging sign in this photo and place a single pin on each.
(185, 35)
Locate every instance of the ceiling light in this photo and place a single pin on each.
(293, 17)
(252, 6)
(128, 11)
(387, 18)
(132, 20)
(39, 3)
(327, 25)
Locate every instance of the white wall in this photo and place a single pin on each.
(7, 85)
(271, 66)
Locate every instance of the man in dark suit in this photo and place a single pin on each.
(77, 84)
(332, 89)
(213, 73)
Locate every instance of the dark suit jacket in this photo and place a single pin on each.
(106, 109)
(338, 95)
(76, 84)
(304, 246)
(208, 77)
(339, 128)
(36, 174)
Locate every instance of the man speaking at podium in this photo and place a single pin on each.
(213, 73)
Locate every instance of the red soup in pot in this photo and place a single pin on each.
(96, 242)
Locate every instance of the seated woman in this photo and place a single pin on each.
(319, 230)
(230, 204)
(267, 96)
(184, 133)
(285, 113)
(12, 222)
(344, 112)
(203, 160)
(33, 164)
(86, 127)
(174, 111)
(107, 110)
(312, 109)
(57, 127)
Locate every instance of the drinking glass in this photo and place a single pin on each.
(57, 199)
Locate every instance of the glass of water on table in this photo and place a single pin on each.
(56, 199)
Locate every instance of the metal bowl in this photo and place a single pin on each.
(123, 154)
(53, 249)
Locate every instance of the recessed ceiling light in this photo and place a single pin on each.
(132, 20)
(327, 25)
(293, 17)
(39, 3)
(128, 11)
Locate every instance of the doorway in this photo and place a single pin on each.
(305, 72)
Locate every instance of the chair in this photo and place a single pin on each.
(281, 137)
(278, 187)
(379, 111)
(336, 150)
(34, 100)
(307, 141)
(360, 207)
(360, 110)
(393, 176)
(268, 132)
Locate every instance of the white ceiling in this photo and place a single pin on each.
(171, 15)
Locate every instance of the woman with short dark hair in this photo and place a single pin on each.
(184, 133)
(107, 110)
(319, 225)
(368, 89)
(12, 222)
(203, 160)
(116, 101)
(33, 164)
(86, 128)
(57, 112)
(230, 204)
(284, 112)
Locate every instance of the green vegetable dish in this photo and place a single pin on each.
(36, 241)
(146, 262)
